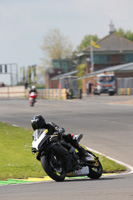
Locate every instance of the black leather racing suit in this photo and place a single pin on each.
(33, 90)
(52, 128)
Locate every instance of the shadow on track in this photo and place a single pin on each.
(88, 179)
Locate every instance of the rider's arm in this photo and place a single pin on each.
(51, 128)
(36, 91)
(54, 128)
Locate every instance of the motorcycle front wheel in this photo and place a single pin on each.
(57, 173)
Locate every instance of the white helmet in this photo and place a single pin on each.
(33, 87)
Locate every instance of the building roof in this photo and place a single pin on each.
(118, 68)
(64, 75)
(112, 42)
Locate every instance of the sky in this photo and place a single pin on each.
(24, 24)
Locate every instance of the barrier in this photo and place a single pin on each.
(20, 91)
(128, 91)
(15, 91)
(51, 93)
(124, 91)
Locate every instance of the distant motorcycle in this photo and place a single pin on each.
(32, 98)
(54, 165)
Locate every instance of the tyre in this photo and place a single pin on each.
(57, 173)
(96, 170)
(32, 102)
(94, 91)
(111, 93)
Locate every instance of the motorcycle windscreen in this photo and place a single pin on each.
(39, 139)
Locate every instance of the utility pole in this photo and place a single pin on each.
(91, 55)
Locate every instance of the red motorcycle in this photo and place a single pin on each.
(32, 98)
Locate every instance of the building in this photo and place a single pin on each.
(114, 50)
(123, 74)
(9, 74)
(59, 67)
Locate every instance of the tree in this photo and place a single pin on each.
(55, 46)
(126, 34)
(81, 72)
(86, 41)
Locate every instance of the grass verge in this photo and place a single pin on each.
(17, 161)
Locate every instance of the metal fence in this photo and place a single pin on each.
(125, 85)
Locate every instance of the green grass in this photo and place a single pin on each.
(110, 166)
(17, 161)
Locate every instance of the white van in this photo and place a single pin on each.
(105, 83)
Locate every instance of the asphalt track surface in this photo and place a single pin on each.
(107, 125)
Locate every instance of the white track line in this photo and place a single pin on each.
(117, 161)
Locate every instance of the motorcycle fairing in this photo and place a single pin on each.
(39, 138)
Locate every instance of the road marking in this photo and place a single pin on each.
(117, 161)
(123, 102)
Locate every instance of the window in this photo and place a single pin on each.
(108, 59)
(127, 58)
(103, 79)
(83, 60)
(123, 58)
(99, 59)
(5, 68)
(0, 68)
(130, 58)
(56, 65)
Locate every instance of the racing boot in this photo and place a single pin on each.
(77, 137)
(85, 156)
(74, 141)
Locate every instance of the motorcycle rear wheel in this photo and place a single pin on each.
(56, 173)
(97, 170)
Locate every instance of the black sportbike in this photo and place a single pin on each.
(55, 165)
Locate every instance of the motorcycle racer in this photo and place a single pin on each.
(32, 95)
(33, 89)
(38, 122)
